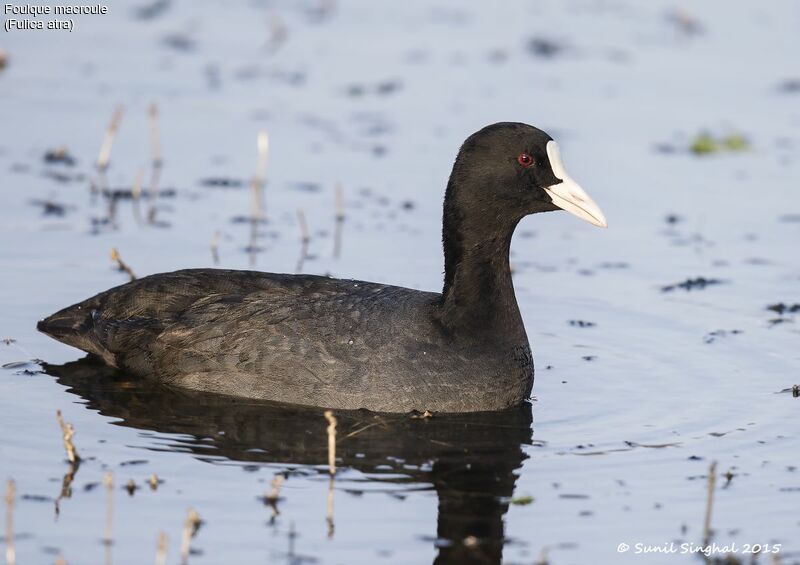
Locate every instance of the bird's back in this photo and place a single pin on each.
(294, 338)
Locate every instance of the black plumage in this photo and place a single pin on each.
(347, 344)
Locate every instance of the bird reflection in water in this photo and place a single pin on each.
(468, 459)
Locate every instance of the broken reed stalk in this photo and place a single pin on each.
(190, 527)
(272, 497)
(161, 549)
(11, 495)
(108, 482)
(337, 232)
(305, 239)
(275, 489)
(66, 485)
(108, 141)
(67, 431)
(331, 441)
(712, 481)
(121, 265)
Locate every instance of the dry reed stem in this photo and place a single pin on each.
(331, 441)
(11, 495)
(190, 527)
(257, 185)
(329, 508)
(108, 482)
(272, 497)
(155, 138)
(136, 194)
(161, 549)
(263, 152)
(115, 256)
(108, 141)
(215, 247)
(158, 162)
(67, 431)
(712, 481)
(337, 232)
(66, 485)
(305, 238)
(275, 489)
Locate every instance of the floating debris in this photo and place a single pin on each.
(581, 324)
(697, 283)
(521, 500)
(711, 337)
(50, 208)
(221, 182)
(59, 156)
(67, 432)
(131, 487)
(781, 308)
(705, 144)
(179, 42)
(545, 48)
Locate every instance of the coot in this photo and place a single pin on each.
(348, 344)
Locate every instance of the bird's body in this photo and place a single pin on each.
(349, 344)
(299, 339)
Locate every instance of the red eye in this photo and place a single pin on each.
(525, 160)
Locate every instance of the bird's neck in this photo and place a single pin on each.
(478, 294)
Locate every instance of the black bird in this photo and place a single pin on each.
(348, 344)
